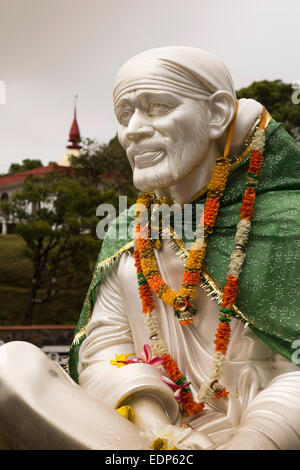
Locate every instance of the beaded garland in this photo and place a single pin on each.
(149, 278)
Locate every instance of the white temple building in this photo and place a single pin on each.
(12, 183)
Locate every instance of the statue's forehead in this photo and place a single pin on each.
(155, 75)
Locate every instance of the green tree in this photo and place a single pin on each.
(105, 166)
(276, 96)
(56, 217)
(27, 164)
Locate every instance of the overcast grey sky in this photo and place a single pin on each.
(53, 49)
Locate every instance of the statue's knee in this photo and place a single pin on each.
(17, 355)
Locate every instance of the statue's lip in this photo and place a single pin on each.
(142, 149)
(148, 158)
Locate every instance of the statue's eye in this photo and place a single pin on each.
(124, 117)
(158, 109)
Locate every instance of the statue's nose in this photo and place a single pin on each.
(139, 127)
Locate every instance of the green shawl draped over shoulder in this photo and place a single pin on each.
(269, 295)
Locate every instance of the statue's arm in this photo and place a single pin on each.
(138, 385)
(108, 335)
(272, 420)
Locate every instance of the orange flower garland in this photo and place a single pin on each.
(231, 287)
(230, 292)
(194, 263)
(144, 289)
(188, 404)
(149, 276)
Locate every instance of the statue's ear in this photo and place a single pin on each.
(222, 108)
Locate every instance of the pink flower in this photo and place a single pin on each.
(178, 388)
(145, 357)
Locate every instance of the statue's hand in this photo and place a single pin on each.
(153, 421)
(147, 412)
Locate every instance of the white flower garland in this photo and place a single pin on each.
(158, 346)
(237, 258)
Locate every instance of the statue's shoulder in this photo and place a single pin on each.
(119, 236)
(278, 136)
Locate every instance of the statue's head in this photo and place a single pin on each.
(172, 104)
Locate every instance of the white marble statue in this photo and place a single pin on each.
(174, 106)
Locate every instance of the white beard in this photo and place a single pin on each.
(173, 168)
(162, 175)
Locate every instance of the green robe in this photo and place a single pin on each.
(269, 285)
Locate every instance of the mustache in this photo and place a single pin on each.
(138, 149)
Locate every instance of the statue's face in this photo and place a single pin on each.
(164, 134)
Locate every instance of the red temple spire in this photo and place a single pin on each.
(74, 135)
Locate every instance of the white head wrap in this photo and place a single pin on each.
(188, 71)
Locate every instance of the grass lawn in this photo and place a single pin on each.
(15, 280)
(15, 268)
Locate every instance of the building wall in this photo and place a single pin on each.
(54, 340)
(6, 192)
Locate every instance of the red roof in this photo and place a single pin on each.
(20, 176)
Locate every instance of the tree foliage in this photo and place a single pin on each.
(27, 164)
(105, 166)
(56, 213)
(276, 96)
(56, 217)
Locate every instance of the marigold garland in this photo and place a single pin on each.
(144, 288)
(148, 262)
(230, 292)
(188, 404)
(148, 273)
